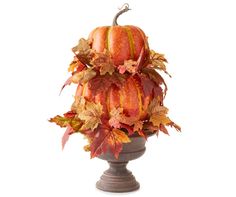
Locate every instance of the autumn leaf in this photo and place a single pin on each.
(117, 116)
(91, 115)
(108, 139)
(66, 135)
(76, 65)
(67, 82)
(158, 61)
(158, 116)
(101, 83)
(138, 125)
(83, 52)
(159, 119)
(83, 76)
(104, 62)
(70, 121)
(82, 47)
(79, 104)
(69, 118)
(156, 77)
(60, 120)
(129, 66)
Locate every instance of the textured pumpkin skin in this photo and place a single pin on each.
(123, 42)
(130, 96)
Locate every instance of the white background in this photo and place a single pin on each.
(199, 40)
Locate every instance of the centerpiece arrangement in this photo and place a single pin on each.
(118, 102)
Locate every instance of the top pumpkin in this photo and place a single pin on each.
(122, 42)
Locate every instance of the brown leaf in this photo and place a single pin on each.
(101, 83)
(82, 46)
(90, 115)
(158, 116)
(76, 65)
(83, 76)
(83, 52)
(158, 61)
(129, 66)
(138, 125)
(104, 62)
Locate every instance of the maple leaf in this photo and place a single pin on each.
(119, 120)
(76, 65)
(117, 116)
(108, 139)
(104, 62)
(91, 115)
(158, 116)
(102, 83)
(70, 121)
(158, 61)
(79, 104)
(129, 66)
(82, 46)
(138, 125)
(156, 77)
(83, 52)
(83, 76)
(60, 120)
(69, 118)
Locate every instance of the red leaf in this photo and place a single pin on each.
(70, 114)
(66, 135)
(105, 139)
(141, 59)
(156, 77)
(68, 82)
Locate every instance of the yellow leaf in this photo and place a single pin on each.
(120, 136)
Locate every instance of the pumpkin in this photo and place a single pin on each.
(131, 93)
(122, 42)
(119, 91)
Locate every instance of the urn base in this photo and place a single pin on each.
(117, 179)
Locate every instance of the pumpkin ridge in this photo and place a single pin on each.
(140, 103)
(108, 34)
(131, 41)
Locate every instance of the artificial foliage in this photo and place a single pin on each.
(120, 91)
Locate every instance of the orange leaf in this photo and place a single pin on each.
(138, 125)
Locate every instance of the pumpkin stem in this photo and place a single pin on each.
(123, 9)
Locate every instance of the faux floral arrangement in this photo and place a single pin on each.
(120, 89)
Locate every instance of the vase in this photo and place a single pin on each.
(118, 178)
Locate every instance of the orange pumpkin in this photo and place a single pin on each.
(122, 42)
(131, 93)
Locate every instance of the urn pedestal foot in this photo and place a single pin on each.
(117, 179)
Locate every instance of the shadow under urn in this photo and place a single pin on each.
(118, 178)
